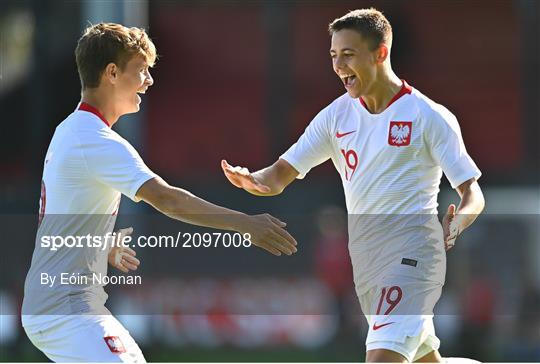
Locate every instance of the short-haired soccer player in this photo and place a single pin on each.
(390, 145)
(87, 168)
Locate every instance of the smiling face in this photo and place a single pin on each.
(133, 79)
(353, 61)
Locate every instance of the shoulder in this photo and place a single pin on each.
(342, 103)
(66, 134)
(85, 123)
(433, 113)
(91, 128)
(94, 137)
(338, 107)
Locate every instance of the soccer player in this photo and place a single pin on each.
(87, 168)
(390, 145)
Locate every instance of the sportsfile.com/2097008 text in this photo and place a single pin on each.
(182, 240)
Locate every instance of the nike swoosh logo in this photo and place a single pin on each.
(377, 327)
(341, 135)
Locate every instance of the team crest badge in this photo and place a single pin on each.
(115, 344)
(399, 133)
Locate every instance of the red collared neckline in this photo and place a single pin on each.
(89, 108)
(405, 89)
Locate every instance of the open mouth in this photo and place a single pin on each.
(348, 80)
(140, 92)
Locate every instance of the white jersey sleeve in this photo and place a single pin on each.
(447, 148)
(313, 147)
(112, 161)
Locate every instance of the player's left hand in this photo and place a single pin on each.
(450, 227)
(123, 257)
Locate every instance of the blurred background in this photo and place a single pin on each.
(241, 80)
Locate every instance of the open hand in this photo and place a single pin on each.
(242, 178)
(120, 257)
(267, 233)
(450, 227)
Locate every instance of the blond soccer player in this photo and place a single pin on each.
(87, 168)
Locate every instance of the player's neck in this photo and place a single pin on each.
(382, 92)
(103, 103)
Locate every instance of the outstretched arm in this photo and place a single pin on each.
(269, 181)
(266, 231)
(471, 205)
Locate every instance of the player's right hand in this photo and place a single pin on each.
(268, 233)
(242, 178)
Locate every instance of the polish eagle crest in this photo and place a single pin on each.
(400, 133)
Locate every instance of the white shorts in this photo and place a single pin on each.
(399, 312)
(82, 338)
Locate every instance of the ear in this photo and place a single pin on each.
(382, 53)
(111, 73)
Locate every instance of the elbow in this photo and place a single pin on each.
(481, 203)
(479, 197)
(162, 201)
(476, 197)
(179, 204)
(162, 198)
(167, 199)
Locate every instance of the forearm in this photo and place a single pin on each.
(277, 177)
(471, 205)
(265, 231)
(268, 177)
(182, 205)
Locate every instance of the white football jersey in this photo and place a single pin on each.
(390, 166)
(87, 168)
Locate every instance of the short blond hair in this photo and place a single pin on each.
(106, 43)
